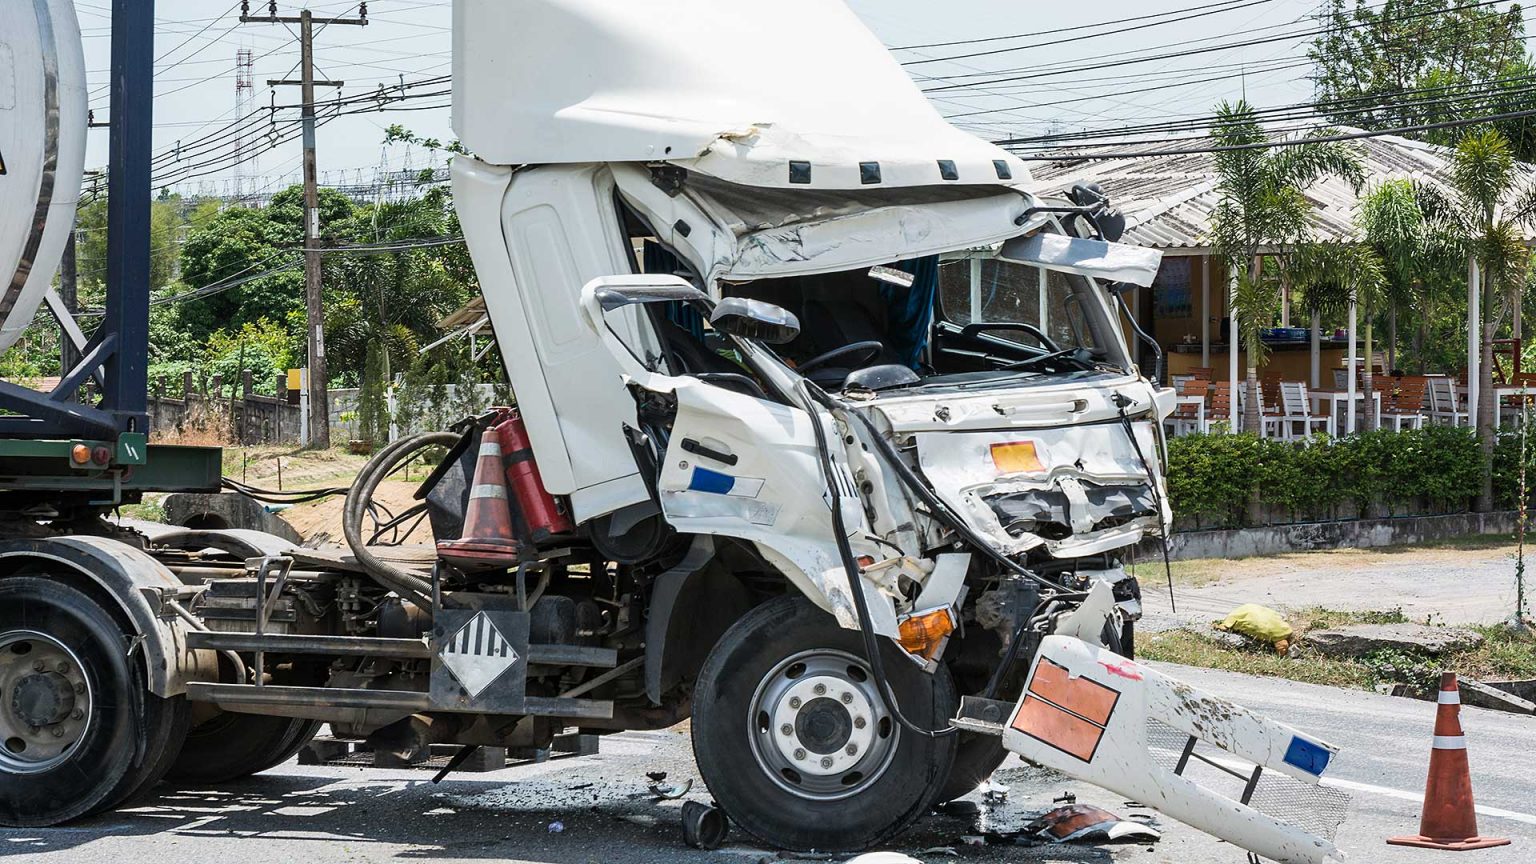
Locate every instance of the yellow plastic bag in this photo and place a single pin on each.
(1256, 622)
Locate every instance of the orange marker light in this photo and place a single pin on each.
(1017, 457)
(80, 454)
(924, 634)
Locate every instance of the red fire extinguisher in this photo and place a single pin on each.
(541, 512)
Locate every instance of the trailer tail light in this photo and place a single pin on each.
(1017, 457)
(80, 455)
(923, 634)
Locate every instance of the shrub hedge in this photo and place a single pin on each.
(1233, 481)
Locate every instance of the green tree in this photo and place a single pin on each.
(1482, 208)
(1401, 63)
(1262, 210)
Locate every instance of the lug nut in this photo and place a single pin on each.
(63, 668)
(77, 715)
(826, 761)
(819, 689)
(859, 723)
(847, 698)
(787, 729)
(794, 701)
(80, 687)
(799, 754)
(58, 731)
(851, 749)
(38, 666)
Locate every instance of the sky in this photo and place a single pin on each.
(197, 41)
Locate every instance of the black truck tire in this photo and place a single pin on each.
(229, 746)
(79, 731)
(825, 769)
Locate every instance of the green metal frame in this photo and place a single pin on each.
(32, 466)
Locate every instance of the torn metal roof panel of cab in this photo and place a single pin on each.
(794, 93)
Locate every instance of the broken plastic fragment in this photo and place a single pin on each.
(1086, 823)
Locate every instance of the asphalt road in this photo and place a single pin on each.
(605, 814)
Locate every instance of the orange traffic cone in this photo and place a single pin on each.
(488, 541)
(1449, 820)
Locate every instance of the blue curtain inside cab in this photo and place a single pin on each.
(656, 259)
(909, 311)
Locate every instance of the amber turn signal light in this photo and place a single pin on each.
(923, 634)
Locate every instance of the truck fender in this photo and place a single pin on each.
(138, 585)
(692, 605)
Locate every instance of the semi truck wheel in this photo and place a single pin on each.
(229, 746)
(791, 735)
(79, 731)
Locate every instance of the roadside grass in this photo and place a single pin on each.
(1504, 654)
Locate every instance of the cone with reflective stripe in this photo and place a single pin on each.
(488, 541)
(1450, 819)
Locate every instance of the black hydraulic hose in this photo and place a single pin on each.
(1157, 350)
(408, 583)
(1157, 495)
(288, 496)
(851, 571)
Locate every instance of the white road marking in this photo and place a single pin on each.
(1417, 798)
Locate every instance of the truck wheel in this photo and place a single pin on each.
(976, 757)
(229, 746)
(791, 736)
(79, 732)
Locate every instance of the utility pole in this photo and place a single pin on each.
(319, 401)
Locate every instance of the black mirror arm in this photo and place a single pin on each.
(1157, 350)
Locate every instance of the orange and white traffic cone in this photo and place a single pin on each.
(1449, 818)
(488, 541)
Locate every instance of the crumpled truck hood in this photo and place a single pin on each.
(1038, 466)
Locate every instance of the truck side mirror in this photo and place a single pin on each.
(755, 319)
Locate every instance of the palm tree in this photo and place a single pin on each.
(1262, 208)
(1483, 206)
(1331, 277)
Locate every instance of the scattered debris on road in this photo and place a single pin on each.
(704, 826)
(1085, 823)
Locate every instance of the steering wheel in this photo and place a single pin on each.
(972, 329)
(865, 352)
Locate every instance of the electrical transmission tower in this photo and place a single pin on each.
(319, 399)
(245, 97)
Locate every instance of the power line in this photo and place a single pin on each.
(1322, 139)
(1044, 71)
(1072, 29)
(1490, 90)
(1225, 7)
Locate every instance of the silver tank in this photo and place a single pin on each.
(42, 150)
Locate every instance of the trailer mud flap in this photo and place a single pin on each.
(1112, 722)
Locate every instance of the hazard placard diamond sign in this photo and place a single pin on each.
(477, 654)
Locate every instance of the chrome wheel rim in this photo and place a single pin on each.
(819, 729)
(45, 702)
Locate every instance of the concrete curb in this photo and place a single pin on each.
(1306, 536)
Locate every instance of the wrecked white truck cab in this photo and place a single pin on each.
(756, 297)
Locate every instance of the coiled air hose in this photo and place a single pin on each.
(409, 584)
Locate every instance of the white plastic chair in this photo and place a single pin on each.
(1298, 410)
(1443, 405)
